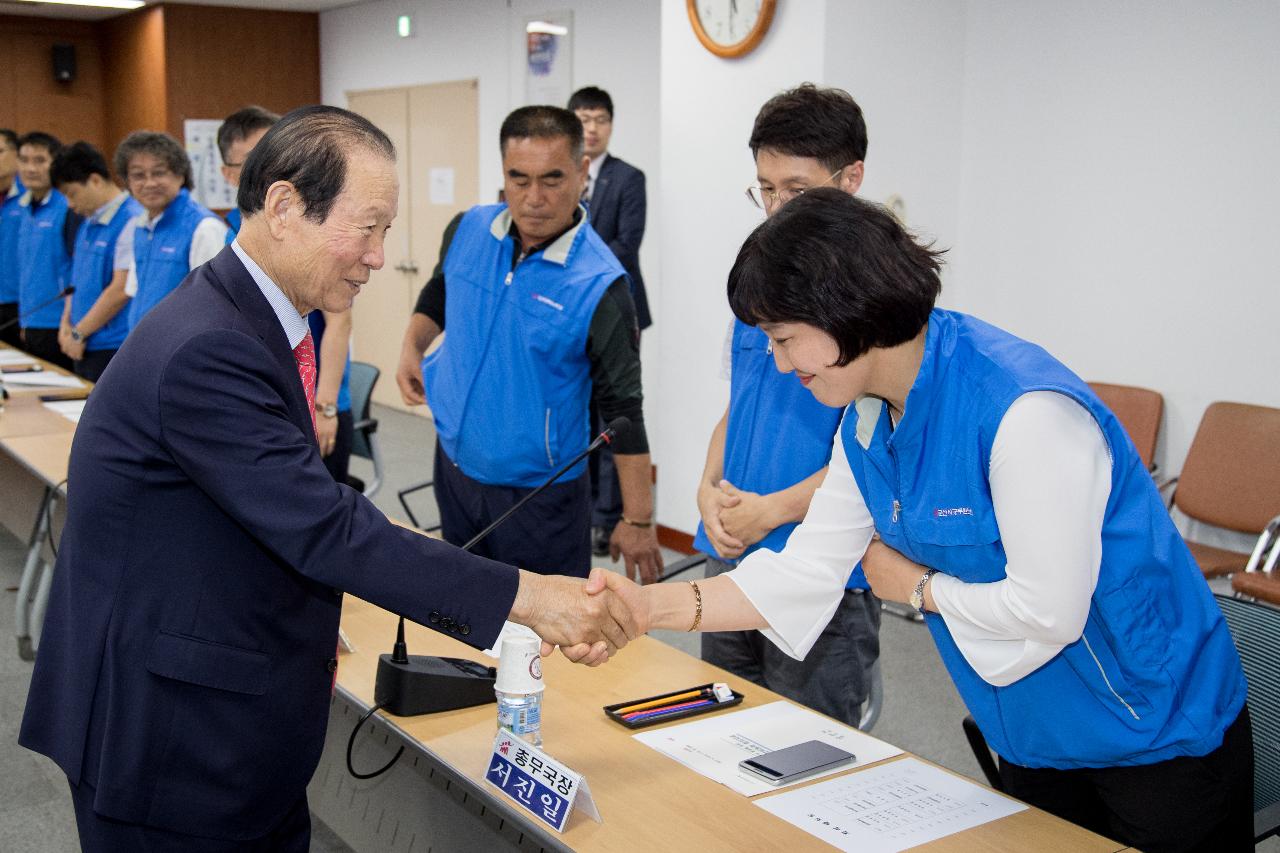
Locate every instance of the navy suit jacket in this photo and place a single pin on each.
(617, 212)
(185, 666)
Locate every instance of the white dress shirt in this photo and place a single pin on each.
(1050, 478)
(294, 324)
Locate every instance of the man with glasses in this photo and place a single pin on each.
(46, 238)
(11, 190)
(616, 205)
(769, 452)
(175, 234)
(237, 136)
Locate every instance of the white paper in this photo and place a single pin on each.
(892, 807)
(714, 746)
(441, 185)
(43, 378)
(211, 189)
(510, 629)
(13, 356)
(69, 409)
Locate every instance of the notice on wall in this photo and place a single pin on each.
(440, 181)
(211, 189)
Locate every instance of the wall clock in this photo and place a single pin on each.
(730, 28)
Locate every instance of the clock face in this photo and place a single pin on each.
(730, 27)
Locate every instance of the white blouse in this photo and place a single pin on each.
(1050, 480)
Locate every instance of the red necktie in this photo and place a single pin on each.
(305, 354)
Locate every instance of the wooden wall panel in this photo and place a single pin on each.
(135, 73)
(30, 99)
(220, 59)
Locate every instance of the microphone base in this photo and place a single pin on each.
(427, 684)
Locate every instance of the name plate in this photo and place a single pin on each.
(538, 783)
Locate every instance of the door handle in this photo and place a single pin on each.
(408, 267)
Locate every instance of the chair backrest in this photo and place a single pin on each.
(1256, 630)
(1139, 411)
(1232, 472)
(363, 377)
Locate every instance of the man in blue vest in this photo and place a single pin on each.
(46, 239)
(175, 233)
(94, 323)
(769, 452)
(540, 323)
(237, 136)
(11, 190)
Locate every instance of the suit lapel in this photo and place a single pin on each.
(601, 191)
(235, 280)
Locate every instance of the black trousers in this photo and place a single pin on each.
(8, 312)
(550, 535)
(94, 363)
(43, 343)
(1182, 804)
(99, 834)
(339, 459)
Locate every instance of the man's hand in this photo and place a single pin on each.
(749, 517)
(893, 577)
(73, 350)
(588, 628)
(326, 433)
(712, 501)
(639, 547)
(409, 377)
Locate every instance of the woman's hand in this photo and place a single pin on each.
(892, 576)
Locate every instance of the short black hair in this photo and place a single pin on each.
(841, 264)
(591, 98)
(309, 148)
(542, 122)
(240, 124)
(812, 121)
(162, 146)
(76, 162)
(10, 137)
(40, 139)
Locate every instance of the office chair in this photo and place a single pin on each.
(1229, 480)
(1139, 411)
(364, 440)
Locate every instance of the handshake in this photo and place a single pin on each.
(588, 620)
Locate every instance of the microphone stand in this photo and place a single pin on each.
(62, 294)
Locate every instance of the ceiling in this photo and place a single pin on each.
(89, 13)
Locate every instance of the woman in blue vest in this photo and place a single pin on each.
(177, 233)
(981, 481)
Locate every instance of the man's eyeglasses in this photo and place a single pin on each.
(153, 175)
(769, 199)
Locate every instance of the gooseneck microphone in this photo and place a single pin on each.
(421, 684)
(62, 294)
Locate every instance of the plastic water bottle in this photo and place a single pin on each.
(521, 714)
(519, 688)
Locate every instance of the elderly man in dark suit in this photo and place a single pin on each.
(184, 675)
(615, 198)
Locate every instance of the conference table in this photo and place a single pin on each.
(435, 796)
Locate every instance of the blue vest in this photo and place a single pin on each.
(93, 266)
(510, 385)
(316, 321)
(10, 224)
(1155, 674)
(234, 221)
(43, 262)
(161, 255)
(778, 434)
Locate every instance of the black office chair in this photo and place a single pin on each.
(1256, 629)
(364, 440)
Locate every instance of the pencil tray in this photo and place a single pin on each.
(611, 711)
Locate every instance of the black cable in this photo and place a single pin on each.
(48, 521)
(351, 742)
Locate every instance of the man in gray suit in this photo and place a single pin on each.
(616, 204)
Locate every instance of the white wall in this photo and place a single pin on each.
(708, 106)
(1118, 192)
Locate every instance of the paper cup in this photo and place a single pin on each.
(520, 666)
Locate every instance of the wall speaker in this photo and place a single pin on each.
(64, 62)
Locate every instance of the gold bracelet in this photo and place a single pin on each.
(697, 597)
(640, 524)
